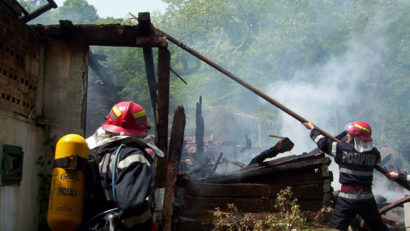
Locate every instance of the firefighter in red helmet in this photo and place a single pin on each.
(356, 157)
(127, 118)
(124, 158)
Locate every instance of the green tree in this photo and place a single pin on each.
(265, 41)
(78, 11)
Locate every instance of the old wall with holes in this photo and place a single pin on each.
(19, 66)
(42, 98)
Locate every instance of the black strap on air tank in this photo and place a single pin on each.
(79, 163)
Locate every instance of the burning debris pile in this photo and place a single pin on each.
(207, 180)
(253, 188)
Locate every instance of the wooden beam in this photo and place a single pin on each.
(283, 145)
(287, 160)
(101, 34)
(144, 23)
(283, 160)
(250, 175)
(296, 179)
(394, 204)
(175, 149)
(386, 208)
(164, 59)
(152, 82)
(199, 129)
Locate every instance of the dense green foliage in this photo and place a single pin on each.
(269, 41)
(357, 49)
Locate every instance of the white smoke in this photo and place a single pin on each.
(327, 97)
(326, 93)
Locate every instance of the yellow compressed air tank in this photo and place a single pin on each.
(65, 206)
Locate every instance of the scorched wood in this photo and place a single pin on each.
(175, 149)
(247, 190)
(271, 170)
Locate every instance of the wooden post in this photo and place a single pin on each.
(152, 82)
(161, 133)
(174, 156)
(199, 131)
(144, 23)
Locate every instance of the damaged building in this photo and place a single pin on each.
(43, 96)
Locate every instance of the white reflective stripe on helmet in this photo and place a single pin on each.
(361, 196)
(318, 138)
(334, 148)
(356, 172)
(136, 220)
(132, 159)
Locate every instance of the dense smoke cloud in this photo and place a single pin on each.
(325, 94)
(330, 94)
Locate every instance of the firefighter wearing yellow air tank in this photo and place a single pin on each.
(65, 208)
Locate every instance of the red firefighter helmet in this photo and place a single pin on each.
(361, 129)
(127, 118)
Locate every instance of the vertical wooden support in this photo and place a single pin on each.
(149, 69)
(161, 133)
(174, 156)
(199, 131)
(144, 23)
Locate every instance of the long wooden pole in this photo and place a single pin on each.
(240, 81)
(263, 95)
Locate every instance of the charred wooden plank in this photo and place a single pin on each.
(297, 179)
(199, 129)
(144, 23)
(394, 204)
(151, 80)
(102, 35)
(234, 162)
(161, 120)
(42, 9)
(285, 160)
(175, 149)
(311, 191)
(218, 161)
(269, 171)
(283, 145)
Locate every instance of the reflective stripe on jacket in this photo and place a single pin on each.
(355, 167)
(133, 180)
